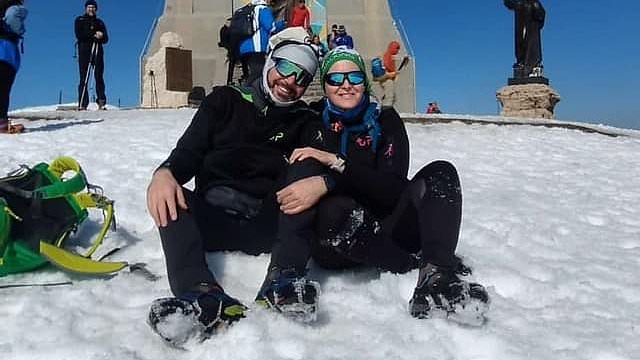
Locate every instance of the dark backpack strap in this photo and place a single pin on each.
(16, 191)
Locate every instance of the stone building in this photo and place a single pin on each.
(194, 25)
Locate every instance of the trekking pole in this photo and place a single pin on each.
(94, 48)
(154, 90)
(11, 286)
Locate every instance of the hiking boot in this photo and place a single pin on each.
(7, 128)
(441, 293)
(197, 314)
(15, 128)
(290, 293)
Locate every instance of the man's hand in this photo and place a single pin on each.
(326, 158)
(162, 193)
(301, 195)
(99, 35)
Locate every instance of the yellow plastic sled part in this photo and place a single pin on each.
(76, 263)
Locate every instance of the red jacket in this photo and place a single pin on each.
(393, 49)
(300, 17)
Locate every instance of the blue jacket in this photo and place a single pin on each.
(10, 53)
(11, 31)
(344, 40)
(265, 23)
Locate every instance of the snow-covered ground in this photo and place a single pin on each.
(551, 226)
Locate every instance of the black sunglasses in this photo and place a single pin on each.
(338, 78)
(287, 68)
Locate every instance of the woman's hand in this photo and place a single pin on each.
(326, 158)
(163, 194)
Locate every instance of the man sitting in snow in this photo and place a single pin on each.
(236, 147)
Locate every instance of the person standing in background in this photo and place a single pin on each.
(319, 47)
(331, 38)
(253, 50)
(343, 39)
(300, 16)
(389, 62)
(91, 35)
(433, 108)
(13, 15)
(226, 43)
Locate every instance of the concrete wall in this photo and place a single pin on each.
(197, 22)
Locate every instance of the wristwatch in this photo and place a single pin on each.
(339, 164)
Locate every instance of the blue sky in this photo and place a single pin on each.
(463, 49)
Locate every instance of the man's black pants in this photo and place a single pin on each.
(206, 228)
(85, 60)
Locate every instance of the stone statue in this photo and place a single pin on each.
(529, 20)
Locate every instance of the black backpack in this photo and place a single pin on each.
(242, 24)
(224, 41)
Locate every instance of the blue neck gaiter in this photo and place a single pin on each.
(361, 119)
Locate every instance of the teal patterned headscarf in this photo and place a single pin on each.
(343, 53)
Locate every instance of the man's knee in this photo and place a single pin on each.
(304, 169)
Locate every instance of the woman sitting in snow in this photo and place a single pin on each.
(369, 213)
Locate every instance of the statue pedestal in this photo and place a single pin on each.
(528, 100)
(522, 77)
(528, 80)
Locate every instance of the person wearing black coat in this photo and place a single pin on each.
(372, 215)
(236, 148)
(91, 35)
(10, 56)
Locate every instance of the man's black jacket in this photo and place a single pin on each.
(231, 142)
(86, 27)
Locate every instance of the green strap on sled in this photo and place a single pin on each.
(16, 256)
(60, 188)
